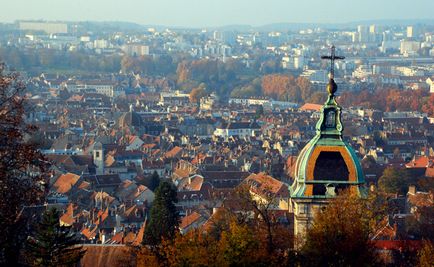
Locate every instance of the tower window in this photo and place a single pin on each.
(331, 119)
(330, 166)
(97, 154)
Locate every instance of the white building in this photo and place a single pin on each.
(258, 101)
(363, 33)
(240, 129)
(136, 49)
(101, 87)
(409, 48)
(407, 71)
(430, 82)
(362, 72)
(293, 63)
(283, 104)
(100, 44)
(413, 31)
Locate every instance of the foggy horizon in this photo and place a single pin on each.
(200, 14)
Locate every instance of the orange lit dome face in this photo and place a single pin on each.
(325, 167)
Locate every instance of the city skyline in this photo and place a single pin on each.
(193, 13)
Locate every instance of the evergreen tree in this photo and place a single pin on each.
(259, 111)
(164, 216)
(52, 244)
(154, 181)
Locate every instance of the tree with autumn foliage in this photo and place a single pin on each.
(340, 235)
(238, 245)
(390, 99)
(23, 173)
(274, 236)
(287, 88)
(149, 65)
(426, 254)
(428, 105)
(197, 93)
(194, 249)
(248, 235)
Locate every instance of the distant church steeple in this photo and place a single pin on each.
(326, 165)
(330, 123)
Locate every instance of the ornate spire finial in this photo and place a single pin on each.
(332, 87)
(332, 59)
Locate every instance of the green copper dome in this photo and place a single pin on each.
(327, 164)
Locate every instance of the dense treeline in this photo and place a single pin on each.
(163, 65)
(223, 78)
(219, 77)
(47, 59)
(339, 236)
(232, 78)
(390, 99)
(287, 88)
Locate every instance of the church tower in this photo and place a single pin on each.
(325, 166)
(98, 157)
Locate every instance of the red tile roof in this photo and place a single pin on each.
(189, 220)
(263, 184)
(64, 183)
(311, 106)
(173, 152)
(420, 162)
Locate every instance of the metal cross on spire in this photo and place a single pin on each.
(332, 59)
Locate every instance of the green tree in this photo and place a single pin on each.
(394, 181)
(259, 111)
(154, 181)
(52, 244)
(164, 219)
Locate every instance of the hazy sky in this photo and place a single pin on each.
(201, 13)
